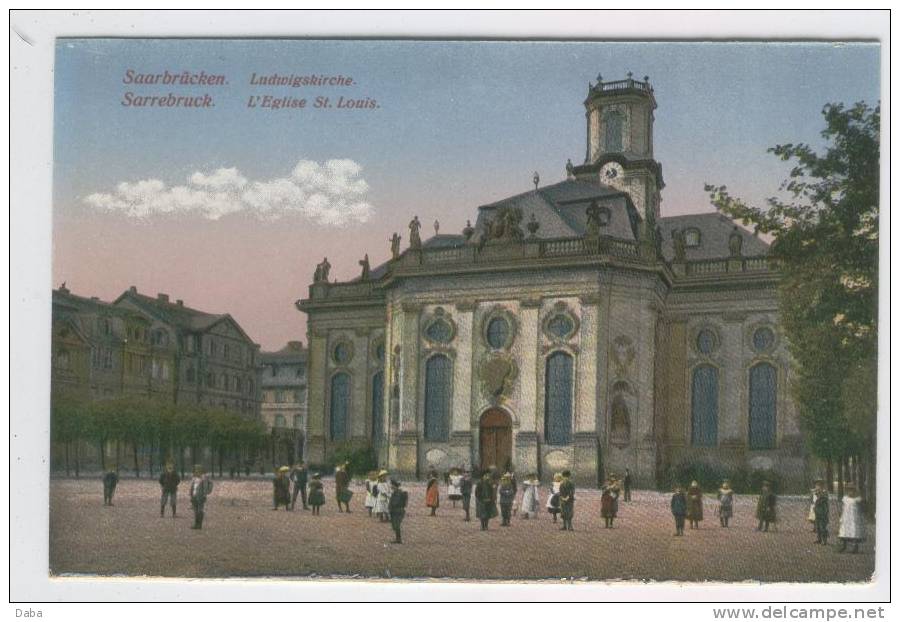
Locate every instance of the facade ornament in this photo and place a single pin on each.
(504, 227)
(437, 226)
(364, 263)
(623, 355)
(533, 226)
(395, 246)
(498, 375)
(321, 273)
(570, 169)
(536, 179)
(468, 231)
(415, 241)
(678, 244)
(658, 241)
(592, 228)
(735, 242)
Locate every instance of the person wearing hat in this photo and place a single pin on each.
(110, 481)
(382, 497)
(679, 509)
(853, 525)
(299, 476)
(695, 505)
(316, 493)
(432, 495)
(342, 486)
(530, 496)
(609, 502)
(567, 500)
(726, 503)
(485, 500)
(201, 487)
(168, 482)
(465, 492)
(765, 507)
(553, 498)
(821, 510)
(281, 489)
(453, 485)
(371, 491)
(626, 485)
(506, 493)
(397, 509)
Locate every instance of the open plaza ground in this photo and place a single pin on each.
(242, 536)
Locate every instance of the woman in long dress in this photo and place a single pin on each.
(371, 488)
(432, 495)
(382, 497)
(553, 497)
(853, 524)
(726, 503)
(316, 493)
(609, 503)
(811, 516)
(454, 487)
(695, 505)
(530, 496)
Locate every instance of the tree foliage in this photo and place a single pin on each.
(825, 241)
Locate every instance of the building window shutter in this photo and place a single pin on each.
(558, 399)
(763, 385)
(705, 406)
(340, 406)
(438, 373)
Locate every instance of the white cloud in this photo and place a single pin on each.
(332, 193)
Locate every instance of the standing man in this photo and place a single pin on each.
(507, 495)
(465, 490)
(765, 507)
(486, 500)
(298, 477)
(201, 487)
(626, 484)
(567, 500)
(110, 480)
(342, 486)
(679, 509)
(168, 481)
(397, 509)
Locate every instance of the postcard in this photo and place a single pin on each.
(468, 310)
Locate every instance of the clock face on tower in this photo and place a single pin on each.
(611, 172)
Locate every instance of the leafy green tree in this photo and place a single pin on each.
(825, 242)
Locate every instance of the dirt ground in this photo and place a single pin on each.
(242, 536)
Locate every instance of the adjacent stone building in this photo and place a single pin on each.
(149, 346)
(283, 407)
(572, 326)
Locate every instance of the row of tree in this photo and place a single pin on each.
(825, 238)
(152, 432)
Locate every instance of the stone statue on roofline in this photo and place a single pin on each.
(395, 246)
(735, 242)
(321, 273)
(505, 226)
(364, 262)
(415, 240)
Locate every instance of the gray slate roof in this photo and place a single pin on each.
(560, 209)
(714, 232)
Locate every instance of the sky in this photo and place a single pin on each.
(230, 206)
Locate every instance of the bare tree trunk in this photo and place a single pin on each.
(103, 455)
(118, 455)
(829, 475)
(840, 490)
(137, 465)
(77, 456)
(67, 458)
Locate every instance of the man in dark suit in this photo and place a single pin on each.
(299, 477)
(567, 500)
(465, 489)
(626, 484)
(110, 480)
(168, 482)
(397, 509)
(486, 500)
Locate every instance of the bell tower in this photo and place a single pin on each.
(620, 141)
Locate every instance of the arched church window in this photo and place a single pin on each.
(439, 331)
(705, 406)
(377, 406)
(558, 399)
(438, 378)
(614, 123)
(706, 341)
(763, 339)
(497, 332)
(340, 406)
(620, 427)
(763, 385)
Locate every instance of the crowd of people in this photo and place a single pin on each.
(386, 500)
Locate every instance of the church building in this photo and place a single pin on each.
(573, 326)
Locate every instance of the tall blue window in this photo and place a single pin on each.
(377, 406)
(340, 406)
(614, 122)
(438, 377)
(705, 406)
(558, 399)
(762, 406)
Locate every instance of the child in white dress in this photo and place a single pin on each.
(371, 486)
(530, 496)
(853, 523)
(454, 487)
